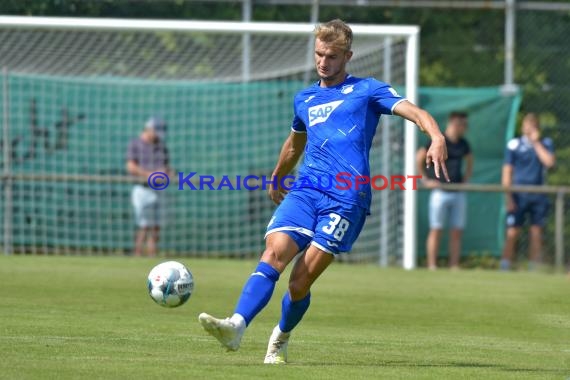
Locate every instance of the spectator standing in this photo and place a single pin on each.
(527, 159)
(448, 206)
(145, 155)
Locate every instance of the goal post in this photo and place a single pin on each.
(412, 78)
(77, 67)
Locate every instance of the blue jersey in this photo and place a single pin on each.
(340, 123)
(527, 168)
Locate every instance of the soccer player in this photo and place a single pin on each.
(526, 160)
(445, 205)
(334, 122)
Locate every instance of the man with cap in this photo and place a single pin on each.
(147, 154)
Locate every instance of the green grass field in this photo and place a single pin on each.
(91, 317)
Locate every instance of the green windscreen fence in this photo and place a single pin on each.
(80, 128)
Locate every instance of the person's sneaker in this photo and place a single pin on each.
(226, 331)
(277, 347)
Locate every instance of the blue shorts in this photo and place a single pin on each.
(535, 205)
(311, 216)
(148, 206)
(447, 206)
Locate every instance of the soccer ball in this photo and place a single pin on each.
(170, 284)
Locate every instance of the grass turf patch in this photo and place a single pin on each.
(91, 317)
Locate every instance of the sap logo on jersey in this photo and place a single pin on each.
(320, 114)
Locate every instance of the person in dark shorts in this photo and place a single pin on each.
(527, 159)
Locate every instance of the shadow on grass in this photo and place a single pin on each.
(403, 363)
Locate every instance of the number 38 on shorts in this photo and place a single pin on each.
(312, 217)
(337, 226)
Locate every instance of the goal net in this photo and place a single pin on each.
(75, 92)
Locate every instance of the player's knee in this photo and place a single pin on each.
(273, 258)
(280, 249)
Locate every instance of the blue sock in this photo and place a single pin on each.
(505, 264)
(257, 291)
(292, 312)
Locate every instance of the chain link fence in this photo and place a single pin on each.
(460, 47)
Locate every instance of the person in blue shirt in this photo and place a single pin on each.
(527, 159)
(334, 123)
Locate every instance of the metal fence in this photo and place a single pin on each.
(517, 42)
(556, 233)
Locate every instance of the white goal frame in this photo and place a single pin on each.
(409, 32)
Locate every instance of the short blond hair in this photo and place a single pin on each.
(336, 33)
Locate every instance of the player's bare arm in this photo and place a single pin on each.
(421, 168)
(437, 153)
(290, 153)
(506, 181)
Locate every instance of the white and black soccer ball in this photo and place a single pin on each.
(170, 284)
